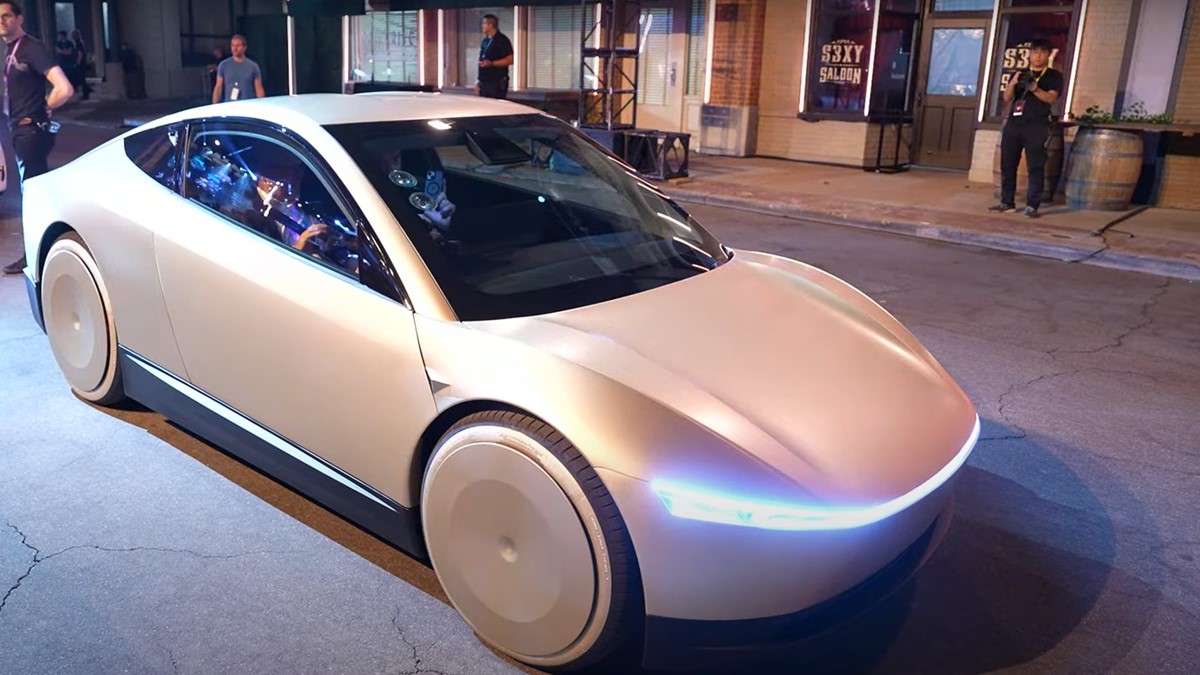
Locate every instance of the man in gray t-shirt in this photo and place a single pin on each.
(237, 76)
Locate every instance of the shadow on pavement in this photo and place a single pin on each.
(1019, 573)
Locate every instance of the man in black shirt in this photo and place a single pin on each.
(27, 69)
(495, 56)
(1029, 95)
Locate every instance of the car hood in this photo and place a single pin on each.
(785, 362)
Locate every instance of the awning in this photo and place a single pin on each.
(393, 5)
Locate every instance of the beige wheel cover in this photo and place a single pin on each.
(505, 526)
(77, 319)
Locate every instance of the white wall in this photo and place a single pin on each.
(1156, 47)
(151, 27)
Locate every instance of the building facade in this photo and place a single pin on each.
(864, 83)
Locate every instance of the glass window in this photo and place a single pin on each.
(655, 52)
(697, 47)
(963, 5)
(522, 215)
(271, 190)
(954, 60)
(893, 69)
(156, 152)
(1016, 32)
(841, 55)
(469, 36)
(553, 47)
(1039, 3)
(385, 47)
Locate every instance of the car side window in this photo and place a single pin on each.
(156, 152)
(271, 190)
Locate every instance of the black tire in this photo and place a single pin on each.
(613, 629)
(79, 322)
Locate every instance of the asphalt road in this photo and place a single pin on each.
(127, 545)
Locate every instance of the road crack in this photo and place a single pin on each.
(38, 558)
(1144, 321)
(416, 669)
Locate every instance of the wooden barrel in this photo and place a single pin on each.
(1054, 169)
(1105, 165)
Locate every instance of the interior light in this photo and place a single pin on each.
(439, 124)
(696, 503)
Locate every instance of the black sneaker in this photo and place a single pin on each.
(16, 266)
(1031, 212)
(1003, 208)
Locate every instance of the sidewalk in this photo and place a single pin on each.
(946, 206)
(924, 203)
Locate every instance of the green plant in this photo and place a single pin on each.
(1134, 113)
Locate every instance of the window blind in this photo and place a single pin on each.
(554, 38)
(655, 53)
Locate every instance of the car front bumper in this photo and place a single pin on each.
(684, 644)
(713, 589)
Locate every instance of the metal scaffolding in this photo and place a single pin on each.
(608, 69)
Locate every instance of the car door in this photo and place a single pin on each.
(261, 280)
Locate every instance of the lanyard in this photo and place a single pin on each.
(487, 42)
(12, 58)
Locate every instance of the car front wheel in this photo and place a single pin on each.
(79, 321)
(528, 543)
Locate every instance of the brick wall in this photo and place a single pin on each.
(826, 141)
(1187, 98)
(1098, 65)
(783, 44)
(737, 52)
(1180, 176)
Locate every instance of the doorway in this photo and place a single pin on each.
(948, 87)
(662, 65)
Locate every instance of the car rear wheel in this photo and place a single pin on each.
(528, 543)
(79, 321)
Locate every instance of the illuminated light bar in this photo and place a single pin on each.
(712, 31)
(987, 64)
(441, 49)
(804, 57)
(518, 78)
(346, 55)
(700, 504)
(1075, 55)
(421, 46)
(871, 69)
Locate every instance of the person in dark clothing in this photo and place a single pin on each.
(131, 65)
(64, 52)
(28, 66)
(81, 65)
(1029, 95)
(495, 56)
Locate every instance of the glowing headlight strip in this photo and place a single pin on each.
(699, 504)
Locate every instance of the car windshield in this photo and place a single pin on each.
(520, 215)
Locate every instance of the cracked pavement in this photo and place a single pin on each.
(127, 545)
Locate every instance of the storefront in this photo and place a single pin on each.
(930, 71)
(434, 44)
(404, 44)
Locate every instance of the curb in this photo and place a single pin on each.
(1099, 255)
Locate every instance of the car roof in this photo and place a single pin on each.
(323, 109)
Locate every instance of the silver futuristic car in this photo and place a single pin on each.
(465, 326)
